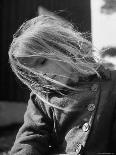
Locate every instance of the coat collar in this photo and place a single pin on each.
(105, 74)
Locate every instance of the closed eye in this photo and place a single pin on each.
(40, 61)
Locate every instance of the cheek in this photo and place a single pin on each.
(66, 68)
(62, 79)
(55, 69)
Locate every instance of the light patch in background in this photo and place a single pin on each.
(103, 27)
(110, 60)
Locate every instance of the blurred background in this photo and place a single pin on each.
(92, 16)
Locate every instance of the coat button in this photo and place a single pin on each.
(85, 127)
(94, 87)
(91, 107)
(78, 149)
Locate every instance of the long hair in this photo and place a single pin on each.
(49, 37)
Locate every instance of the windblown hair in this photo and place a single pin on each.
(49, 37)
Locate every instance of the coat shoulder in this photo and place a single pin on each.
(113, 75)
(113, 78)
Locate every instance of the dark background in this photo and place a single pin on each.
(13, 14)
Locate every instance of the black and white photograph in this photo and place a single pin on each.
(58, 77)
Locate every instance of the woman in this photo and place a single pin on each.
(71, 109)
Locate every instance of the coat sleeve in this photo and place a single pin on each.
(113, 133)
(33, 137)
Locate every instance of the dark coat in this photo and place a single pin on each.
(89, 130)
